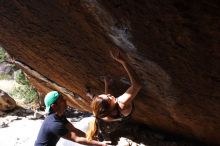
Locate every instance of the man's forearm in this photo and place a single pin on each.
(98, 143)
(83, 140)
(75, 130)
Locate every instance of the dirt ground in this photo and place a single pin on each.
(19, 129)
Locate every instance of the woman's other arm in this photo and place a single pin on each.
(126, 98)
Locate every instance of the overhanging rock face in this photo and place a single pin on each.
(173, 46)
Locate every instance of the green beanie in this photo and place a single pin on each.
(50, 98)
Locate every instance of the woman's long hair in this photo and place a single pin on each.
(100, 109)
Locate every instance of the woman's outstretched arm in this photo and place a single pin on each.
(126, 98)
(107, 81)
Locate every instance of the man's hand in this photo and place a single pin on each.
(106, 143)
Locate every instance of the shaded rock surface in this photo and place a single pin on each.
(6, 102)
(173, 46)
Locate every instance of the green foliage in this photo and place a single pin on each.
(5, 77)
(3, 55)
(20, 77)
(26, 92)
(23, 90)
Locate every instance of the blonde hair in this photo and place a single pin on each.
(100, 109)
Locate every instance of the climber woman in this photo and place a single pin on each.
(111, 112)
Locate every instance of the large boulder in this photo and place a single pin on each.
(6, 102)
(173, 45)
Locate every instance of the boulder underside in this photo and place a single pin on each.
(172, 45)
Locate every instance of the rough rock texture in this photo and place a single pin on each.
(173, 45)
(6, 102)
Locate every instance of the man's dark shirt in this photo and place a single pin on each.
(51, 130)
